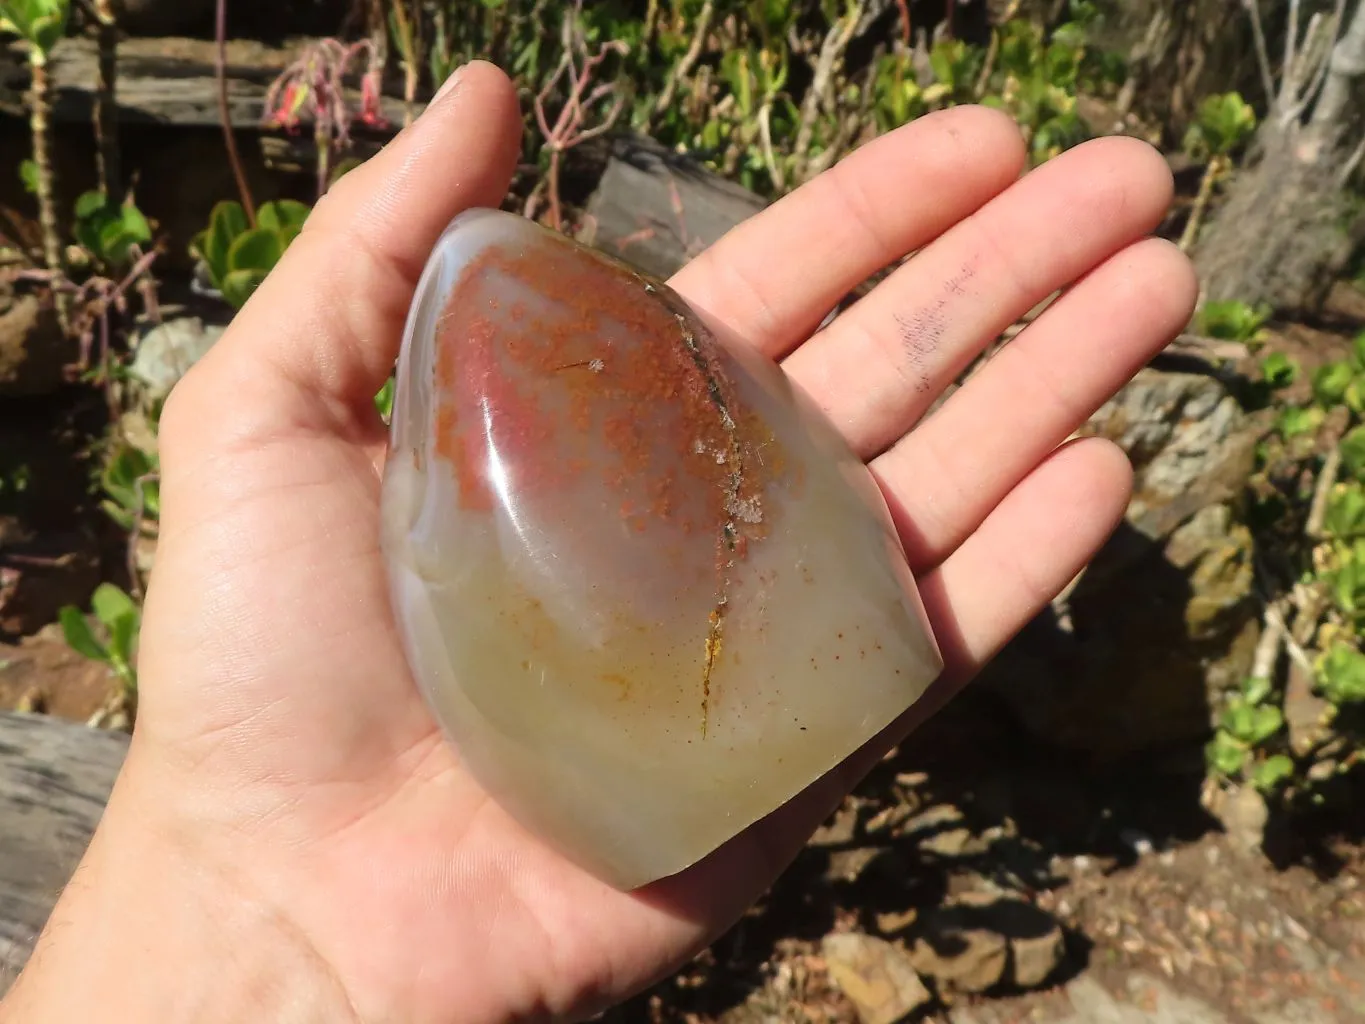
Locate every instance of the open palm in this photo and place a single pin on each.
(281, 741)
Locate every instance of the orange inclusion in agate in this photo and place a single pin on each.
(592, 369)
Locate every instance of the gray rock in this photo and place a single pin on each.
(875, 975)
(973, 961)
(1189, 443)
(1037, 956)
(1243, 813)
(657, 209)
(1165, 617)
(166, 352)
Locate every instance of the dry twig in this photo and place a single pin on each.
(1327, 478)
(684, 67)
(568, 129)
(831, 52)
(225, 115)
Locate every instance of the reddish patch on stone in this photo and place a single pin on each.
(596, 366)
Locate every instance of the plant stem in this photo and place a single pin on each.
(225, 115)
(407, 45)
(53, 252)
(1217, 167)
(684, 67)
(1262, 55)
(322, 140)
(831, 52)
(556, 211)
(106, 107)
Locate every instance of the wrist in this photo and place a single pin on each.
(155, 925)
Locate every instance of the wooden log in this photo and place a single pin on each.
(658, 209)
(55, 777)
(162, 81)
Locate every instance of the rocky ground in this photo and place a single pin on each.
(1041, 851)
(1009, 884)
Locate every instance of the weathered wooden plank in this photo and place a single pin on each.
(55, 777)
(161, 81)
(658, 209)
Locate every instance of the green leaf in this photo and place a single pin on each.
(28, 174)
(1232, 320)
(1272, 771)
(1358, 351)
(256, 249)
(1353, 451)
(1225, 121)
(383, 401)
(114, 242)
(287, 236)
(1330, 382)
(90, 203)
(238, 286)
(41, 22)
(47, 31)
(1256, 689)
(115, 511)
(131, 219)
(1252, 723)
(228, 218)
(110, 604)
(282, 214)
(123, 637)
(226, 221)
(78, 634)
(1295, 420)
(1279, 370)
(1345, 515)
(946, 60)
(1342, 674)
(127, 465)
(1225, 754)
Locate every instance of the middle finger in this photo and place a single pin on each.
(879, 365)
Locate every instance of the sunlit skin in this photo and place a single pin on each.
(291, 839)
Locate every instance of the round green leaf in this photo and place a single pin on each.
(110, 604)
(238, 285)
(1272, 771)
(90, 203)
(1330, 382)
(257, 249)
(1225, 754)
(282, 214)
(79, 636)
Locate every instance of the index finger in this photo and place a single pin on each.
(772, 279)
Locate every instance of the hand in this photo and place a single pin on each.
(292, 839)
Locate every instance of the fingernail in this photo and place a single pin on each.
(448, 85)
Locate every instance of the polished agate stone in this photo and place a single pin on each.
(647, 590)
